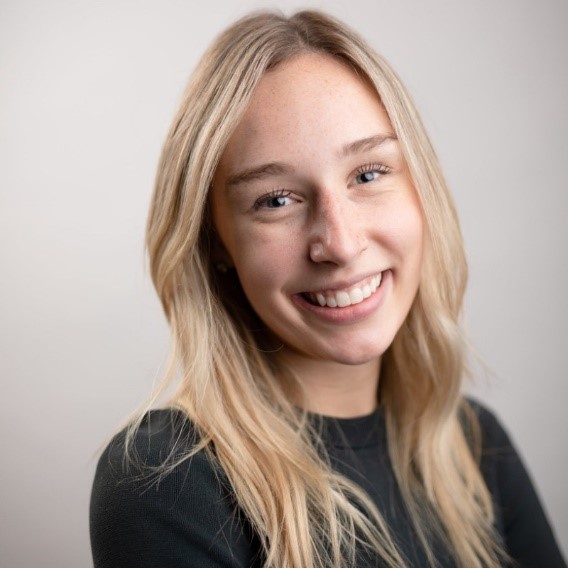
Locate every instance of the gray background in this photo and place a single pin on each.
(86, 95)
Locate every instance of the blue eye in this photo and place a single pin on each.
(274, 200)
(366, 177)
(366, 174)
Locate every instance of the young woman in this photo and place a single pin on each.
(308, 257)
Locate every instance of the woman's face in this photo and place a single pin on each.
(314, 206)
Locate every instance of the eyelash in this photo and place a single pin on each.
(367, 168)
(261, 201)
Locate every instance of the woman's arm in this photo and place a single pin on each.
(185, 518)
(528, 536)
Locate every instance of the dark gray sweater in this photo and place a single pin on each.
(189, 519)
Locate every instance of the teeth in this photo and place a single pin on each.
(343, 298)
(356, 295)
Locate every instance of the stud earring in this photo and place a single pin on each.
(221, 267)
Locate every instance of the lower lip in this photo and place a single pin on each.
(353, 313)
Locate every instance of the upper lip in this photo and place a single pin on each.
(338, 285)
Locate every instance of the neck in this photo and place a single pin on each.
(334, 389)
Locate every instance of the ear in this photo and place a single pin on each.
(220, 256)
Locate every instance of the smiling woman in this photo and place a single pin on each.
(324, 227)
(309, 259)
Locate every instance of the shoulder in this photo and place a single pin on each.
(161, 436)
(162, 498)
(519, 515)
(155, 455)
(493, 433)
(499, 459)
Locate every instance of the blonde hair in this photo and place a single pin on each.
(305, 514)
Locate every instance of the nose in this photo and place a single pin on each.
(337, 234)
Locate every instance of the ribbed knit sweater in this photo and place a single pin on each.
(189, 518)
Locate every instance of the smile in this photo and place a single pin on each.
(347, 296)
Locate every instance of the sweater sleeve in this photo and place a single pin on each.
(528, 536)
(182, 518)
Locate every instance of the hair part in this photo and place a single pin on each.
(305, 514)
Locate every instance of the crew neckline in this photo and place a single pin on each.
(354, 433)
(351, 433)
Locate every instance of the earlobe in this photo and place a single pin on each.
(221, 267)
(221, 258)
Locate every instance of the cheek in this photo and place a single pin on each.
(412, 227)
(402, 228)
(265, 257)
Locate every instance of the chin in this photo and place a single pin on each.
(353, 359)
(359, 355)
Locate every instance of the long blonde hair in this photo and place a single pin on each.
(230, 387)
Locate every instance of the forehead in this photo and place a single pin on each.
(311, 100)
(305, 76)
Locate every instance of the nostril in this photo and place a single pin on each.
(316, 251)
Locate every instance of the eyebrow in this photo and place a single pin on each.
(366, 144)
(279, 168)
(260, 172)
